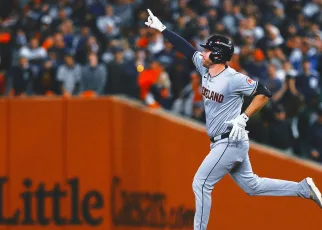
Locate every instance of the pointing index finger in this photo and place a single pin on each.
(150, 13)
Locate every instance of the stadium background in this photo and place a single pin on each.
(64, 62)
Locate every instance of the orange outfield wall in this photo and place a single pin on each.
(121, 166)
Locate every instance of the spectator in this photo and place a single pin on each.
(308, 81)
(81, 41)
(147, 78)
(20, 79)
(21, 39)
(161, 89)
(305, 52)
(34, 53)
(5, 49)
(69, 76)
(315, 138)
(277, 57)
(229, 19)
(279, 130)
(180, 26)
(190, 103)
(108, 24)
(46, 83)
(308, 116)
(58, 48)
(311, 8)
(254, 63)
(92, 46)
(167, 55)
(178, 76)
(273, 83)
(278, 16)
(45, 27)
(203, 32)
(58, 18)
(134, 67)
(117, 82)
(94, 76)
(258, 31)
(287, 69)
(271, 39)
(79, 13)
(67, 30)
(212, 16)
(156, 43)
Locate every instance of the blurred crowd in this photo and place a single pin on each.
(102, 47)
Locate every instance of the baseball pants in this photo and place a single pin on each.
(232, 158)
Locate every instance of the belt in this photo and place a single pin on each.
(219, 137)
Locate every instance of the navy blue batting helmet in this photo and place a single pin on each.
(222, 48)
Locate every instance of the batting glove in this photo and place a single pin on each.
(154, 22)
(238, 131)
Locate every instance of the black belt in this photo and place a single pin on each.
(219, 137)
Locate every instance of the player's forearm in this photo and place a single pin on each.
(258, 102)
(179, 43)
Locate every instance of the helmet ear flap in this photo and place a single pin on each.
(212, 57)
(217, 56)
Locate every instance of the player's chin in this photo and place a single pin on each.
(206, 64)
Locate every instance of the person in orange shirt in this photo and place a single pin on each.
(154, 85)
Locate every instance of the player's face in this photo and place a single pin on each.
(206, 62)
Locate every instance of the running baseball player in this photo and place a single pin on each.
(223, 90)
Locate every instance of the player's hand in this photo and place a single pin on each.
(154, 22)
(238, 131)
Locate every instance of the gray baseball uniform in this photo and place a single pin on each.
(223, 98)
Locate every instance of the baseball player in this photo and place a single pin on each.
(223, 90)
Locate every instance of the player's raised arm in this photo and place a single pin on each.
(178, 42)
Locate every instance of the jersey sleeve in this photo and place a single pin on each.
(243, 85)
(197, 61)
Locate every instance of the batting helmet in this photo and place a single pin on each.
(222, 49)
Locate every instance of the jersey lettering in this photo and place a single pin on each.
(217, 97)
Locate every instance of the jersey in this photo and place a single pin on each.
(223, 95)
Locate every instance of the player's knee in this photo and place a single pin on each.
(253, 186)
(251, 193)
(196, 185)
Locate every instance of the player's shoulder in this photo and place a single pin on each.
(238, 76)
(233, 74)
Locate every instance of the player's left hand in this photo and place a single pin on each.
(238, 131)
(154, 22)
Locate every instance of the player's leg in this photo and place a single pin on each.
(215, 166)
(253, 185)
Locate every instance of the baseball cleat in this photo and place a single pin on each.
(315, 194)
